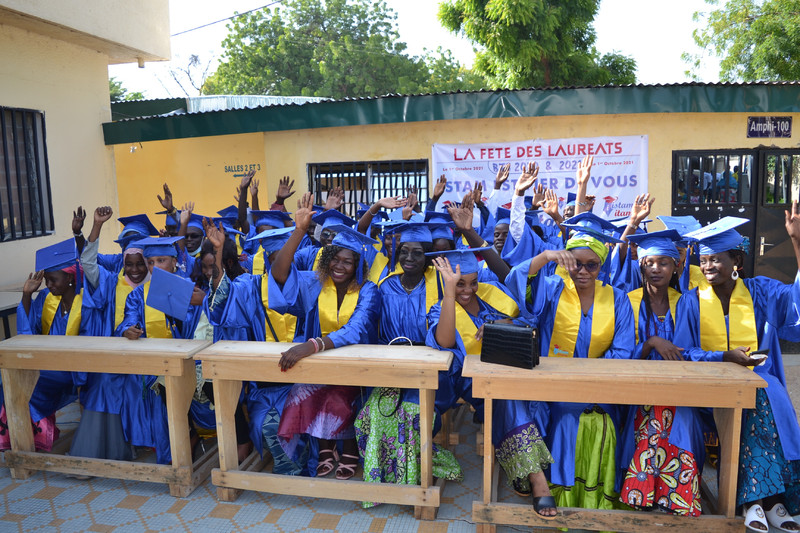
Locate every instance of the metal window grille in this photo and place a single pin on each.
(26, 208)
(368, 181)
(708, 178)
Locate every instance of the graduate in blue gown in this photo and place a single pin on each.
(578, 316)
(144, 413)
(661, 447)
(64, 307)
(727, 320)
(336, 306)
(456, 324)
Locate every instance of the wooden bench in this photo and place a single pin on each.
(229, 363)
(728, 388)
(23, 356)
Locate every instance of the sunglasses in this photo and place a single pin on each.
(590, 267)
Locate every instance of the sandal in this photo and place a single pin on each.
(755, 515)
(544, 502)
(326, 466)
(778, 517)
(346, 470)
(516, 486)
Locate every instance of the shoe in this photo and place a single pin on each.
(544, 502)
(516, 485)
(346, 470)
(753, 516)
(326, 466)
(778, 517)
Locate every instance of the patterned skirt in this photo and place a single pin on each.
(522, 452)
(387, 431)
(763, 469)
(660, 473)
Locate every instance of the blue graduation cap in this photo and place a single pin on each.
(589, 221)
(532, 217)
(169, 293)
(682, 224)
(528, 201)
(719, 236)
(158, 246)
(362, 209)
(273, 218)
(503, 216)
(347, 237)
(571, 199)
(169, 220)
(441, 217)
(332, 217)
(227, 224)
(463, 257)
(196, 221)
(57, 256)
(136, 224)
(230, 211)
(657, 243)
(272, 240)
(414, 232)
(441, 231)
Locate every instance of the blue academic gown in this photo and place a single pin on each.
(775, 306)
(562, 428)
(144, 413)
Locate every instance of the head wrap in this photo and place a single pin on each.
(584, 240)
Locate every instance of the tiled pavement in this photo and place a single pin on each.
(53, 502)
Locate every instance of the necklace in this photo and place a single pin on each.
(409, 290)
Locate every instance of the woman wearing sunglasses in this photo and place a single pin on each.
(578, 316)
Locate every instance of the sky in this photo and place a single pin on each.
(655, 36)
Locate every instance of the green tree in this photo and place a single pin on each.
(119, 93)
(754, 39)
(536, 43)
(331, 48)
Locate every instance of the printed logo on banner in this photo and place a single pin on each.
(618, 175)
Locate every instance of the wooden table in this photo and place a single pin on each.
(728, 388)
(229, 363)
(23, 356)
(8, 307)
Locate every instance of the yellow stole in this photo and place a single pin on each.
(331, 316)
(741, 331)
(431, 286)
(258, 262)
(122, 292)
(284, 325)
(636, 297)
(155, 322)
(466, 327)
(696, 277)
(316, 258)
(568, 321)
(50, 308)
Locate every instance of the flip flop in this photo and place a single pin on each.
(346, 470)
(326, 466)
(544, 502)
(778, 516)
(755, 515)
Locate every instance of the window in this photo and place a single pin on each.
(26, 209)
(782, 179)
(714, 178)
(368, 181)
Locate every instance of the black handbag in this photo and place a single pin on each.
(509, 344)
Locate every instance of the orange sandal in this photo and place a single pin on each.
(326, 466)
(346, 470)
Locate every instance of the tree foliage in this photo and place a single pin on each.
(119, 93)
(331, 48)
(754, 39)
(536, 43)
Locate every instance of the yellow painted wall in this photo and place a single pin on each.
(70, 85)
(288, 153)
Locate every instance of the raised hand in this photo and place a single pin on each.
(392, 202)
(33, 282)
(538, 195)
(641, 208)
(78, 216)
(462, 216)
(285, 189)
(254, 188)
(305, 206)
(186, 212)
(439, 187)
(563, 258)
(335, 198)
(502, 176)
(166, 202)
(793, 222)
(246, 179)
(550, 205)
(477, 194)
(408, 210)
(214, 234)
(584, 170)
(102, 214)
(449, 278)
(527, 178)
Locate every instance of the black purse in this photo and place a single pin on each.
(509, 344)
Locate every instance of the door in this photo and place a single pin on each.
(779, 185)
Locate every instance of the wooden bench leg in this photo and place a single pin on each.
(426, 401)
(18, 386)
(179, 390)
(226, 396)
(729, 428)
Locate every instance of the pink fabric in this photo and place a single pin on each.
(45, 432)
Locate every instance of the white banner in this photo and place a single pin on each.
(618, 175)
